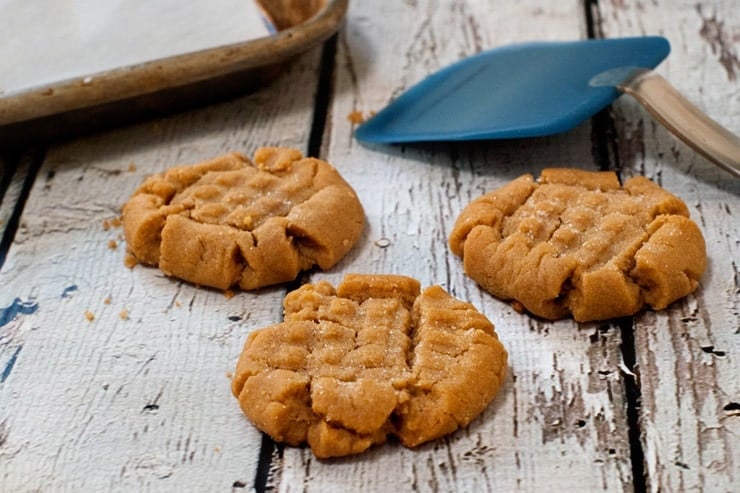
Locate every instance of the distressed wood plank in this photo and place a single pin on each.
(559, 422)
(138, 397)
(688, 355)
(142, 402)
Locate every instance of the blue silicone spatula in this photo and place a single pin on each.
(544, 88)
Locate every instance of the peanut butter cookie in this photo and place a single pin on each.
(576, 242)
(230, 221)
(374, 357)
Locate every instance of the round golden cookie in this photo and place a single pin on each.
(576, 242)
(230, 221)
(374, 357)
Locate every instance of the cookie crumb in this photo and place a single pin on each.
(123, 315)
(89, 315)
(108, 300)
(108, 224)
(229, 375)
(356, 117)
(112, 244)
(131, 167)
(178, 304)
(229, 294)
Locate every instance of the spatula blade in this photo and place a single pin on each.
(522, 90)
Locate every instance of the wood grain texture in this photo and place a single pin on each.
(116, 379)
(137, 397)
(562, 407)
(688, 355)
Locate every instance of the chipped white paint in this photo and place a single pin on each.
(142, 401)
(137, 398)
(562, 407)
(689, 364)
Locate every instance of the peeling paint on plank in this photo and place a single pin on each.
(17, 307)
(69, 291)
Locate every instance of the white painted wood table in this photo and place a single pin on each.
(138, 399)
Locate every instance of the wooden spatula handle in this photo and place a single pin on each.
(685, 120)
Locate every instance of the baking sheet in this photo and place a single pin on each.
(48, 41)
(90, 62)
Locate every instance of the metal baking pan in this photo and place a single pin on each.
(161, 86)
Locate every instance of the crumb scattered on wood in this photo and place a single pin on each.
(124, 314)
(112, 244)
(229, 293)
(131, 167)
(108, 300)
(89, 315)
(229, 374)
(111, 223)
(358, 117)
(178, 304)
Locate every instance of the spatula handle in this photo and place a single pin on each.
(685, 120)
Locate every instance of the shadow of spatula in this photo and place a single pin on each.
(544, 88)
